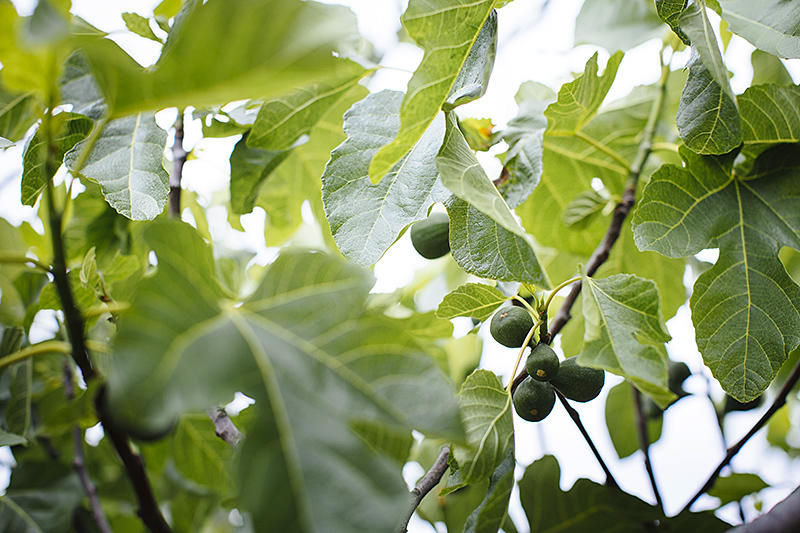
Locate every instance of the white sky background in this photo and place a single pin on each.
(531, 47)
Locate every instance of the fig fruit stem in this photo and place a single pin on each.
(558, 288)
(526, 305)
(528, 338)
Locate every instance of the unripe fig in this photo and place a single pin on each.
(430, 237)
(579, 383)
(542, 363)
(510, 326)
(533, 400)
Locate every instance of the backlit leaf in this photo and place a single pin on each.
(445, 54)
(473, 299)
(771, 25)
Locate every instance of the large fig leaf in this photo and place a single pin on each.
(316, 363)
(745, 308)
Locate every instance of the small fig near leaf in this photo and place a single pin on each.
(542, 364)
(579, 383)
(510, 326)
(430, 237)
(533, 400)
(732, 404)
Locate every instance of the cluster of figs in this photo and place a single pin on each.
(535, 395)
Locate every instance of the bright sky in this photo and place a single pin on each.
(535, 47)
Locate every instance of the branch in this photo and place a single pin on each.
(644, 444)
(431, 478)
(134, 467)
(178, 160)
(75, 326)
(779, 402)
(224, 426)
(610, 481)
(79, 462)
(785, 516)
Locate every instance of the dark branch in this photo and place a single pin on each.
(178, 160)
(573, 414)
(779, 402)
(134, 467)
(431, 478)
(785, 516)
(644, 444)
(224, 427)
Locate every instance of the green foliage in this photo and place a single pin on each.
(350, 384)
(703, 205)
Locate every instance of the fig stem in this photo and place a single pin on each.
(558, 288)
(528, 338)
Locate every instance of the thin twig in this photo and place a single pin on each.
(779, 402)
(644, 444)
(224, 426)
(431, 478)
(79, 462)
(178, 160)
(573, 414)
(23, 259)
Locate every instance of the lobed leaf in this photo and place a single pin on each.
(745, 307)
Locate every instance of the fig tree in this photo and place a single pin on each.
(430, 237)
(533, 400)
(542, 363)
(579, 383)
(510, 326)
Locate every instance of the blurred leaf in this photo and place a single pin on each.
(486, 410)
(200, 455)
(522, 166)
(625, 332)
(79, 88)
(621, 421)
(25, 69)
(40, 497)
(446, 53)
(770, 25)
(67, 130)
(617, 24)
(250, 167)
(484, 248)
(18, 409)
(365, 219)
(285, 329)
(736, 486)
(703, 205)
(126, 161)
(477, 132)
(768, 69)
(473, 299)
(168, 8)
(10, 439)
(670, 11)
(140, 26)
(217, 52)
(281, 121)
(581, 209)
(297, 179)
(17, 114)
